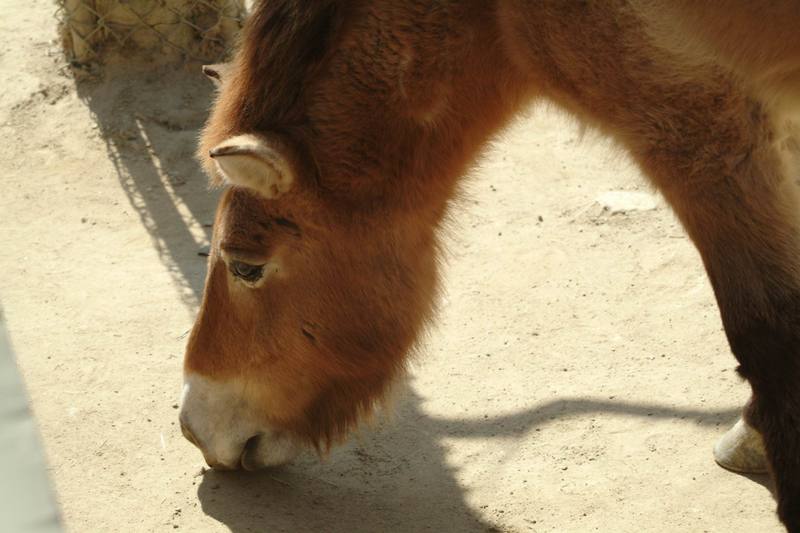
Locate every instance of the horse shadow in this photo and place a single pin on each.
(397, 477)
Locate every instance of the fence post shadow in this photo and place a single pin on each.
(149, 119)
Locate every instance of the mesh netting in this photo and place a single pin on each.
(157, 30)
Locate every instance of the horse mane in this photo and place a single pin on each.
(282, 44)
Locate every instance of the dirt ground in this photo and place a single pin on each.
(576, 379)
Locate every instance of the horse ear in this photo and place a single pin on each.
(250, 161)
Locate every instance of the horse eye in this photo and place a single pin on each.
(245, 271)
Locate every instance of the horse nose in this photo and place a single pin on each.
(219, 420)
(216, 465)
(187, 433)
(211, 461)
(214, 462)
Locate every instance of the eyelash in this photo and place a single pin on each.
(245, 271)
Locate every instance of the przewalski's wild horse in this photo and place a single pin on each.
(342, 129)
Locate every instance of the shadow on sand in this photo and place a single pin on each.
(149, 120)
(395, 479)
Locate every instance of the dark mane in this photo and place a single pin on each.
(282, 43)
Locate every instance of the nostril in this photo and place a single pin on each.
(252, 443)
(248, 459)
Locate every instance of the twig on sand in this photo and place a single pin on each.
(282, 482)
(334, 485)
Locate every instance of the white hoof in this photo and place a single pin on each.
(741, 450)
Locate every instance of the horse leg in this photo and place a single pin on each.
(739, 203)
(712, 149)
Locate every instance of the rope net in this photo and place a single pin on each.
(157, 30)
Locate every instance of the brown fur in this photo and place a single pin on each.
(382, 106)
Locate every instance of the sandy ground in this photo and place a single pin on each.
(576, 380)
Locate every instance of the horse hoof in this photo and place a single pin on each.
(741, 450)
